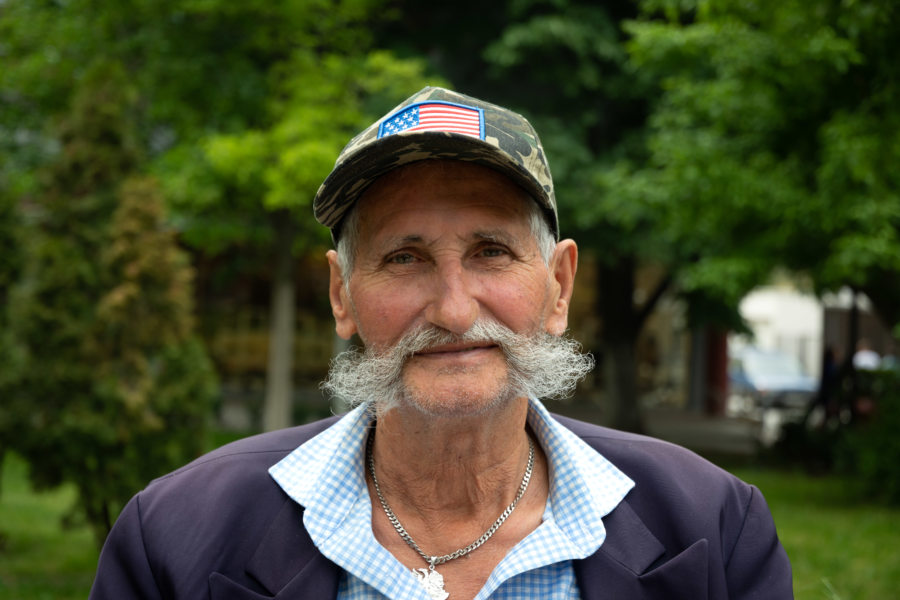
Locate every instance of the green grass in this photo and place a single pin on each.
(38, 558)
(840, 549)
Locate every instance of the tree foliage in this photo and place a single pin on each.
(870, 450)
(113, 389)
(224, 185)
(240, 109)
(782, 113)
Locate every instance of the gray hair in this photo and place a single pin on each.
(348, 241)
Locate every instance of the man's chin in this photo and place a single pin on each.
(454, 404)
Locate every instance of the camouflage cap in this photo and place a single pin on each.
(438, 123)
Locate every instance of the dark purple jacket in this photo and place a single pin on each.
(221, 528)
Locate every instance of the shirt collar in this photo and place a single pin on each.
(584, 486)
(326, 476)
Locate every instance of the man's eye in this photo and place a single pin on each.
(402, 258)
(493, 252)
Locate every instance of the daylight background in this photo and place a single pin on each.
(728, 168)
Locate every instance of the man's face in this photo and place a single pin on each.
(443, 244)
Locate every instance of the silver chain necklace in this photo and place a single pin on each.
(430, 578)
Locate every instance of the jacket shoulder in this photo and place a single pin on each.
(232, 478)
(263, 447)
(208, 516)
(705, 520)
(635, 454)
(676, 492)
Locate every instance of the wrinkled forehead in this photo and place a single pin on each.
(422, 190)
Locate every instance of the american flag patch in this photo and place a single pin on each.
(435, 116)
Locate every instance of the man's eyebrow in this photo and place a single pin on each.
(398, 241)
(496, 235)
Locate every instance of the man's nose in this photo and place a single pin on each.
(453, 306)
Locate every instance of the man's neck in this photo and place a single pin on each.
(439, 470)
(448, 479)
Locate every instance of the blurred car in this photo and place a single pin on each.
(768, 386)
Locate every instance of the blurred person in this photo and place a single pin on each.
(824, 406)
(449, 479)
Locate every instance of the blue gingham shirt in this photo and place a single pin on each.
(326, 476)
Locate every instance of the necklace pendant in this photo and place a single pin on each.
(432, 581)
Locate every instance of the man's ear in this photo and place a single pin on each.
(344, 323)
(562, 283)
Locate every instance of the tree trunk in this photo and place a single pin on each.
(698, 370)
(620, 330)
(620, 386)
(884, 292)
(279, 383)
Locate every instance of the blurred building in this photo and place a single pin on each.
(785, 319)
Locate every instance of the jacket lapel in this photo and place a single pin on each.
(288, 564)
(633, 564)
(628, 550)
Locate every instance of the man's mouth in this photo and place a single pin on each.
(456, 348)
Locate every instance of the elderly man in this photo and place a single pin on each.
(449, 479)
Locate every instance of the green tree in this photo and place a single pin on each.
(113, 389)
(240, 107)
(782, 114)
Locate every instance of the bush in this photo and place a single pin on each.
(870, 450)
